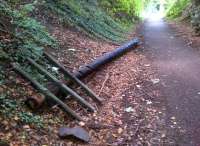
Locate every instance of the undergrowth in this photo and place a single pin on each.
(25, 36)
(124, 10)
(9, 109)
(176, 8)
(87, 17)
(187, 10)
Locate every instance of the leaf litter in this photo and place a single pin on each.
(127, 117)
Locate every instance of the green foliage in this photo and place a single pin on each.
(2, 74)
(29, 37)
(3, 54)
(126, 8)
(35, 74)
(7, 106)
(86, 16)
(176, 8)
(29, 118)
(9, 109)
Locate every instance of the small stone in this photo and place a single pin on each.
(26, 127)
(163, 135)
(173, 118)
(120, 130)
(77, 132)
(16, 118)
(81, 123)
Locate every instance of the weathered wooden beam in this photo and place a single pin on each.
(46, 92)
(63, 87)
(73, 78)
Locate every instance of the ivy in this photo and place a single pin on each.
(88, 17)
(29, 37)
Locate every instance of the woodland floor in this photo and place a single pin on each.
(133, 112)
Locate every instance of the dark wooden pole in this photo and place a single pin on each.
(46, 92)
(73, 78)
(63, 87)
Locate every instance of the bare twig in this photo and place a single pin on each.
(138, 127)
(103, 85)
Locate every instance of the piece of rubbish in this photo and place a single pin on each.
(149, 102)
(147, 65)
(138, 86)
(55, 69)
(72, 49)
(155, 81)
(77, 132)
(129, 109)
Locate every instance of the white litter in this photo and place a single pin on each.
(129, 109)
(138, 86)
(72, 49)
(155, 81)
(149, 102)
(147, 65)
(55, 69)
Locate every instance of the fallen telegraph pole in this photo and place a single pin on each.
(75, 78)
(108, 57)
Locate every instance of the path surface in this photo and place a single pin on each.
(178, 67)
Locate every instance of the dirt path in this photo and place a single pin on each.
(178, 68)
